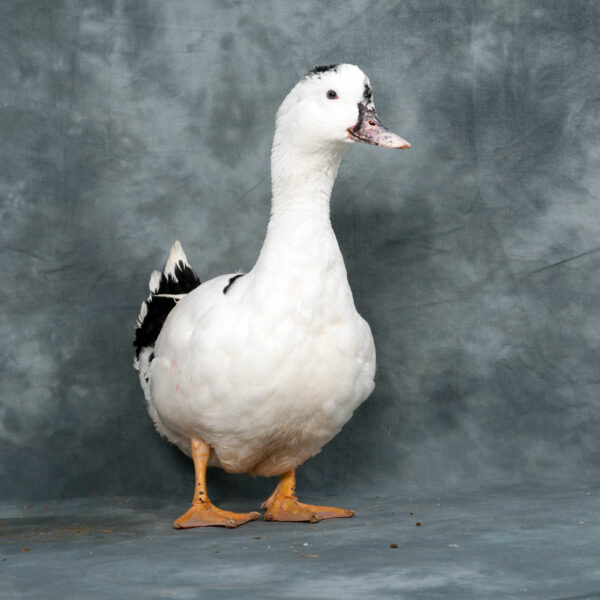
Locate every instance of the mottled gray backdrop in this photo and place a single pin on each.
(128, 124)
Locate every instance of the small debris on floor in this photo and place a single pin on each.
(308, 556)
(393, 545)
(26, 550)
(418, 523)
(257, 537)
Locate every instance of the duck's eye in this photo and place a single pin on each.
(332, 94)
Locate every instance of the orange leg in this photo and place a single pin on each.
(284, 506)
(269, 501)
(203, 513)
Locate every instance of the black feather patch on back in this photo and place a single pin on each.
(158, 308)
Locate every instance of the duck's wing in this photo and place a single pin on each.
(166, 289)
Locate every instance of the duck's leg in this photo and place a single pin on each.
(284, 506)
(203, 513)
(269, 501)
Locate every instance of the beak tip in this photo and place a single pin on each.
(394, 141)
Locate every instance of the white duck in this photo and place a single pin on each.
(255, 373)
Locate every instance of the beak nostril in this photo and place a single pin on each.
(370, 130)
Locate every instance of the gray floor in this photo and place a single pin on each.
(500, 544)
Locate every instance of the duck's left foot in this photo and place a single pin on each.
(289, 508)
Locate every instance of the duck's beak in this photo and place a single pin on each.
(370, 129)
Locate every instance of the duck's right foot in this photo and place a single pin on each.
(206, 514)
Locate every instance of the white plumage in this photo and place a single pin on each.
(267, 368)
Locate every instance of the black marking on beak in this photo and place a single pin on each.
(368, 96)
(371, 130)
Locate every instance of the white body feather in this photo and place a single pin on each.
(269, 372)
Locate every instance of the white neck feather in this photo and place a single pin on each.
(302, 180)
(300, 256)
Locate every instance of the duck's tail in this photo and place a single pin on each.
(166, 289)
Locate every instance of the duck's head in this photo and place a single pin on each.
(333, 106)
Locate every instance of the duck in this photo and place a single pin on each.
(255, 372)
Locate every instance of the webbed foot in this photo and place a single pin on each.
(289, 508)
(206, 514)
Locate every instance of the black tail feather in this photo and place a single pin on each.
(177, 279)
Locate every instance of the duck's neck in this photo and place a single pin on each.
(302, 181)
(300, 242)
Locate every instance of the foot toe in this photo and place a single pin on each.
(330, 512)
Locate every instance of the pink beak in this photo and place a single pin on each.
(370, 129)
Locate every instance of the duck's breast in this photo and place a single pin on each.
(246, 373)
